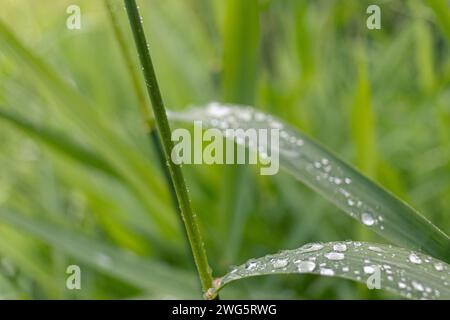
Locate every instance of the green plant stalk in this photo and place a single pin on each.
(140, 95)
(162, 123)
(144, 107)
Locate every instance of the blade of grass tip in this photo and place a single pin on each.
(189, 218)
(144, 107)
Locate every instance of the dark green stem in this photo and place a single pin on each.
(162, 123)
(144, 106)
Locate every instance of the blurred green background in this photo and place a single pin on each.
(378, 98)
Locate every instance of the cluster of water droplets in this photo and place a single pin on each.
(400, 271)
(304, 159)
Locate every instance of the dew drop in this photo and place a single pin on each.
(417, 285)
(311, 247)
(341, 247)
(375, 249)
(369, 269)
(334, 256)
(217, 110)
(414, 258)
(251, 265)
(326, 272)
(279, 263)
(438, 266)
(305, 266)
(367, 219)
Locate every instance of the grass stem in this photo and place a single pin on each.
(144, 106)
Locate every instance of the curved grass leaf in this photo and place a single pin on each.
(59, 142)
(331, 177)
(409, 274)
(142, 273)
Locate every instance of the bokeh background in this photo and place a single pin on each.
(378, 98)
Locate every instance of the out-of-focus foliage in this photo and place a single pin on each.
(379, 98)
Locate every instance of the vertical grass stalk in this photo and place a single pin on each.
(162, 124)
(144, 107)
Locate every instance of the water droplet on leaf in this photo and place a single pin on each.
(414, 258)
(341, 247)
(279, 263)
(367, 219)
(334, 256)
(305, 266)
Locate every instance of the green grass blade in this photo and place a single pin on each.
(241, 41)
(334, 179)
(79, 110)
(142, 273)
(144, 106)
(442, 12)
(363, 119)
(409, 274)
(59, 142)
(241, 44)
(23, 255)
(162, 123)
